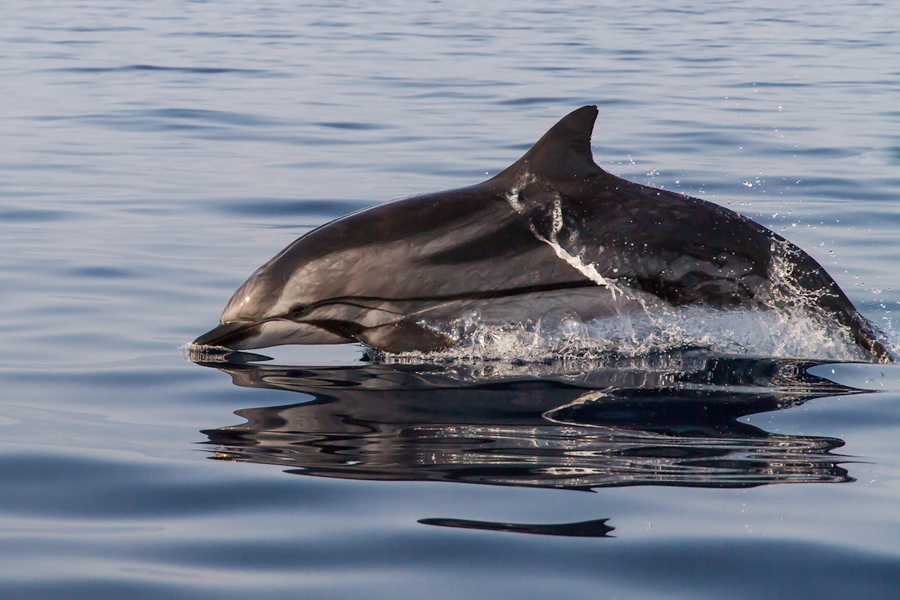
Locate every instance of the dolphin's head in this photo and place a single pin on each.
(257, 317)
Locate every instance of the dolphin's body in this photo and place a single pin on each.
(552, 231)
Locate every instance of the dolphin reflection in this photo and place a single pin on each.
(670, 420)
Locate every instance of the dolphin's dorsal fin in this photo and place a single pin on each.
(564, 152)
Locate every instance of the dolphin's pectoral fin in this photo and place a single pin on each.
(403, 336)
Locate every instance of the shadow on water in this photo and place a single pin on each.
(593, 528)
(669, 420)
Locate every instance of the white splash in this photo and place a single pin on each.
(559, 341)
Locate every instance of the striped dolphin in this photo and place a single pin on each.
(552, 231)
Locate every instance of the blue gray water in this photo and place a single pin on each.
(152, 155)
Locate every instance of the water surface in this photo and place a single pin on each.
(152, 155)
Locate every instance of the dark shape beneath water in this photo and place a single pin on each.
(669, 419)
(592, 528)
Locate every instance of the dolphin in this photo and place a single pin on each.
(551, 232)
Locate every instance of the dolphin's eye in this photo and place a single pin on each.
(296, 312)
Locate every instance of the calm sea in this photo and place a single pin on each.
(153, 154)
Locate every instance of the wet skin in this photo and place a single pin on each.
(551, 232)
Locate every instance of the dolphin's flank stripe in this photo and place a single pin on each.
(483, 295)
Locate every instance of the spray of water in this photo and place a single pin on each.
(787, 323)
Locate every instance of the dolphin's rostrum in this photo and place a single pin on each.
(553, 231)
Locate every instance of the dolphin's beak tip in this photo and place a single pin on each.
(205, 339)
(224, 335)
